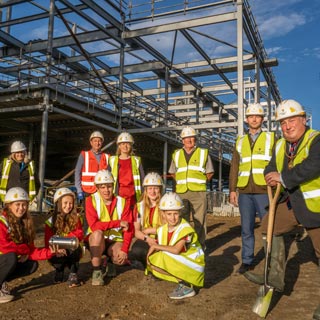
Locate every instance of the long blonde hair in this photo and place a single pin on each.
(147, 207)
(131, 153)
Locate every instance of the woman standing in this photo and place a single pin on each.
(127, 170)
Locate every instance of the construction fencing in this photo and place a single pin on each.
(218, 205)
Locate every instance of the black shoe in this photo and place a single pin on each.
(255, 278)
(244, 268)
(59, 276)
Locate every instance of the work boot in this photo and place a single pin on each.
(316, 315)
(277, 266)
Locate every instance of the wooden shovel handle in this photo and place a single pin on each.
(272, 209)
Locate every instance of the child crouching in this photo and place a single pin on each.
(178, 255)
(65, 222)
(18, 255)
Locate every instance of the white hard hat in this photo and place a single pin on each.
(16, 194)
(289, 108)
(96, 134)
(152, 179)
(103, 176)
(18, 146)
(125, 137)
(171, 201)
(255, 109)
(188, 132)
(62, 192)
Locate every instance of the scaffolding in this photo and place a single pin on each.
(150, 67)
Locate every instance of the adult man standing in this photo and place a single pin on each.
(294, 164)
(88, 164)
(252, 152)
(192, 168)
(18, 171)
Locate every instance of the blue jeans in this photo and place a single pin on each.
(250, 204)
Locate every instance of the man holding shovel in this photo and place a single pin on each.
(294, 164)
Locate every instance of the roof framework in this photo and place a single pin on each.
(146, 66)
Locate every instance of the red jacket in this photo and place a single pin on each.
(8, 245)
(95, 224)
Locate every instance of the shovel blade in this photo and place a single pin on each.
(263, 301)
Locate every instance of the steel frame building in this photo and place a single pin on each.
(150, 67)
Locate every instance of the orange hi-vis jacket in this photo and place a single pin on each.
(90, 168)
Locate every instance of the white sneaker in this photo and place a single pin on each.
(5, 297)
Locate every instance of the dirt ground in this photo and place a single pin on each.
(132, 295)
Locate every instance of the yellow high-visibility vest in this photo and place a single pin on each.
(5, 176)
(187, 266)
(192, 175)
(114, 234)
(310, 189)
(135, 163)
(253, 161)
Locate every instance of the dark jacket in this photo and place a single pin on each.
(19, 178)
(303, 172)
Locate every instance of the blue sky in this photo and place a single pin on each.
(291, 33)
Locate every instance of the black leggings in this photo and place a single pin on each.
(139, 251)
(71, 260)
(11, 269)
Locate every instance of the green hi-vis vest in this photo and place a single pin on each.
(187, 266)
(135, 163)
(254, 160)
(114, 234)
(190, 176)
(310, 189)
(143, 212)
(5, 175)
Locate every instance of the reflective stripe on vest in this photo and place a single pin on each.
(310, 189)
(190, 264)
(253, 161)
(5, 176)
(156, 221)
(90, 168)
(114, 234)
(192, 175)
(135, 164)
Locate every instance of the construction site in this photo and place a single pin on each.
(150, 68)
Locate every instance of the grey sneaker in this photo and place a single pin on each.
(73, 280)
(4, 297)
(181, 292)
(5, 288)
(97, 278)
